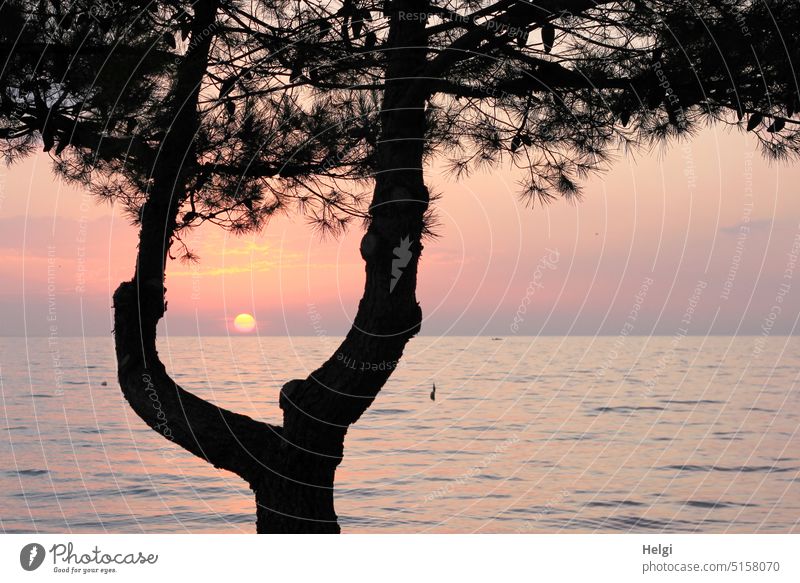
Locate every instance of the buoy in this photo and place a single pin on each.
(433, 392)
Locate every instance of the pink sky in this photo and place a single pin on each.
(709, 213)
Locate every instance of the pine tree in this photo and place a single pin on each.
(227, 112)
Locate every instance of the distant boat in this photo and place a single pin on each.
(433, 392)
(496, 338)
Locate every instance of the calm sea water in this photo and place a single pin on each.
(526, 435)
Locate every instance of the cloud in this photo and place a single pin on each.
(755, 225)
(252, 267)
(249, 248)
(34, 234)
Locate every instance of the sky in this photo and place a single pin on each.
(698, 238)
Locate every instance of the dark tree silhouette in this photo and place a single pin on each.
(152, 105)
(554, 87)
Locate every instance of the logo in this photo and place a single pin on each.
(402, 255)
(31, 556)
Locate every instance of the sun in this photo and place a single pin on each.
(244, 323)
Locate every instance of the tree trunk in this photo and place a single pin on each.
(225, 439)
(290, 469)
(318, 411)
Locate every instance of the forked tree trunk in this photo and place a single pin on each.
(291, 469)
(225, 439)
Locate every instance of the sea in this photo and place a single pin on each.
(525, 435)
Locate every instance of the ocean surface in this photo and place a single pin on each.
(537, 435)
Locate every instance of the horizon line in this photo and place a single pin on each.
(494, 336)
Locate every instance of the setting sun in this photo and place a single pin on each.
(244, 323)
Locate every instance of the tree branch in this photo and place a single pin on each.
(225, 439)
